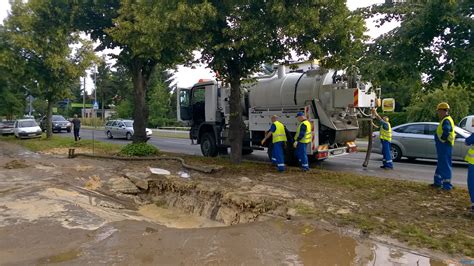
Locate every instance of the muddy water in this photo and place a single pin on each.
(175, 218)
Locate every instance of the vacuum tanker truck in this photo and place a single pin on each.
(331, 100)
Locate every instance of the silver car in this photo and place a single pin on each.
(122, 129)
(416, 140)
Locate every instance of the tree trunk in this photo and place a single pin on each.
(49, 114)
(236, 125)
(140, 111)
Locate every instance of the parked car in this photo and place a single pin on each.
(467, 123)
(416, 140)
(6, 127)
(26, 128)
(122, 129)
(58, 123)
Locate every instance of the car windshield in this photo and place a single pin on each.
(27, 124)
(58, 118)
(128, 123)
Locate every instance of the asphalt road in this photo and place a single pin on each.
(419, 170)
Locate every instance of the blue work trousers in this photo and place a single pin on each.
(387, 156)
(300, 153)
(278, 157)
(443, 173)
(470, 183)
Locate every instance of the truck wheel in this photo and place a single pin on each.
(223, 151)
(396, 153)
(208, 145)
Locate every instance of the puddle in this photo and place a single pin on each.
(321, 247)
(174, 218)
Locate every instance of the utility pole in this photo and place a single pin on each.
(84, 97)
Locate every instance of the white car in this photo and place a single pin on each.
(26, 128)
(467, 123)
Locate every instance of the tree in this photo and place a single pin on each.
(149, 34)
(42, 36)
(432, 45)
(244, 34)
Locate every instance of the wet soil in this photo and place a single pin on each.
(85, 211)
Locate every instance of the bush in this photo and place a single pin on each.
(423, 107)
(139, 149)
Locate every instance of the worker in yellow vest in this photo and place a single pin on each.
(302, 138)
(470, 171)
(386, 139)
(277, 131)
(444, 140)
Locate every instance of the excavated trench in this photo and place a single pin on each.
(219, 203)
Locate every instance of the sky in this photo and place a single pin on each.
(186, 76)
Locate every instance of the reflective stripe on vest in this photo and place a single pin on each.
(386, 134)
(279, 134)
(307, 135)
(439, 130)
(470, 155)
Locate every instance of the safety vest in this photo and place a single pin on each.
(386, 134)
(470, 155)
(307, 135)
(439, 130)
(279, 134)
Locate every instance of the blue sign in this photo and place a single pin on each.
(96, 105)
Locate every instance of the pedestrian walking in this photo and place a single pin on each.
(76, 122)
(386, 140)
(277, 132)
(302, 138)
(444, 141)
(470, 170)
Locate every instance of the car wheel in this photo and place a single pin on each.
(128, 136)
(208, 145)
(395, 152)
(109, 135)
(69, 131)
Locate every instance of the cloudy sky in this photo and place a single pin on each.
(186, 76)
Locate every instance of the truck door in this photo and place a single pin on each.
(198, 104)
(184, 105)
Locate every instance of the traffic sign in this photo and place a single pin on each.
(96, 105)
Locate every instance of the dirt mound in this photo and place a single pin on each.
(16, 164)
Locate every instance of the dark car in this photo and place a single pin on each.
(58, 122)
(6, 127)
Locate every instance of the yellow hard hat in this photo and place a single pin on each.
(442, 106)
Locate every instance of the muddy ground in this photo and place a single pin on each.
(78, 211)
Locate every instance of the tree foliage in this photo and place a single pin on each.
(41, 38)
(458, 97)
(432, 46)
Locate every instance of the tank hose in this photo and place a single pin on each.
(369, 145)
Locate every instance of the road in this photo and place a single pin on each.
(419, 170)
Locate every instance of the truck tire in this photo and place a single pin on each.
(208, 145)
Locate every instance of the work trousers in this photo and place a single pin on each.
(387, 156)
(470, 183)
(278, 157)
(443, 173)
(300, 153)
